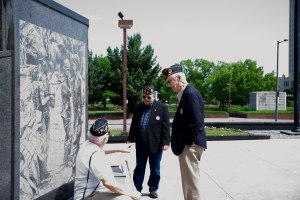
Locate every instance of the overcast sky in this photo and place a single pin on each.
(215, 30)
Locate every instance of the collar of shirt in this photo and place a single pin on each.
(147, 107)
(92, 146)
(179, 94)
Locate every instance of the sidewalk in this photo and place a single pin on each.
(117, 124)
(232, 170)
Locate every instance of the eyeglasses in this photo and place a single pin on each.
(147, 97)
(170, 80)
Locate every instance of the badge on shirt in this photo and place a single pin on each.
(157, 117)
(181, 111)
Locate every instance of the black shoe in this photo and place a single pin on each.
(153, 194)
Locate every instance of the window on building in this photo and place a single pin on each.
(286, 83)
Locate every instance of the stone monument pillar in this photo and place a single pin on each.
(294, 59)
(43, 118)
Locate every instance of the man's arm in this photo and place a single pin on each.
(165, 127)
(131, 135)
(126, 150)
(116, 188)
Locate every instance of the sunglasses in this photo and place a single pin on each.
(147, 97)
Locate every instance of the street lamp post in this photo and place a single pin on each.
(124, 24)
(277, 92)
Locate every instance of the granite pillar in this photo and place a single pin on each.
(43, 75)
(294, 60)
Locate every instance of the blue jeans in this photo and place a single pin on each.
(143, 152)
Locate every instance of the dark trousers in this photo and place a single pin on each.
(142, 154)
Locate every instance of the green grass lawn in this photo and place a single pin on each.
(209, 132)
(224, 132)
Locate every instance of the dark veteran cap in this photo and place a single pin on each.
(171, 70)
(148, 89)
(99, 128)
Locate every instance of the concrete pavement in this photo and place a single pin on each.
(232, 170)
(117, 124)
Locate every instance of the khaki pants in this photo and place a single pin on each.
(107, 196)
(189, 161)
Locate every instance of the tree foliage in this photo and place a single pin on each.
(141, 69)
(99, 79)
(116, 85)
(270, 82)
(216, 82)
(197, 73)
(238, 79)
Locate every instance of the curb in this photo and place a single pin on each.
(238, 137)
(122, 138)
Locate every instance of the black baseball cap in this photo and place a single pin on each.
(100, 127)
(171, 70)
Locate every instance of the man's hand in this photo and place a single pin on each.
(165, 147)
(128, 149)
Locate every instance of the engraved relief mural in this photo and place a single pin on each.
(52, 108)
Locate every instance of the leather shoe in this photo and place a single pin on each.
(153, 194)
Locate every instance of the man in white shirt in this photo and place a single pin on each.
(94, 177)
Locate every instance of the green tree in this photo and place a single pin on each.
(247, 78)
(197, 73)
(238, 79)
(99, 79)
(116, 78)
(141, 69)
(166, 94)
(218, 82)
(270, 81)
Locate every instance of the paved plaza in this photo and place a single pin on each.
(232, 170)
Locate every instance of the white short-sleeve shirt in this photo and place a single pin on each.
(99, 169)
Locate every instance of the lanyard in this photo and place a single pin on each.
(87, 179)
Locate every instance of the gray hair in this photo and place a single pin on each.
(95, 139)
(182, 77)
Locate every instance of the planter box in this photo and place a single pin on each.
(225, 115)
(111, 116)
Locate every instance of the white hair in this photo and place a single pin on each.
(95, 139)
(182, 77)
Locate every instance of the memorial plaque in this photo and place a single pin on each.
(267, 101)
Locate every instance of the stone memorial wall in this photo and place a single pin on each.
(266, 100)
(43, 71)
